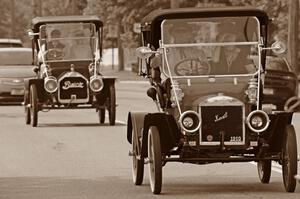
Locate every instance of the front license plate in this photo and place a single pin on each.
(17, 92)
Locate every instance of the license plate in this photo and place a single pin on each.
(17, 92)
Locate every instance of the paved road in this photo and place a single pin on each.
(69, 155)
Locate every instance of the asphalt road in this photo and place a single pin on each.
(69, 155)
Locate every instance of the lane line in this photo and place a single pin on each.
(275, 167)
(121, 122)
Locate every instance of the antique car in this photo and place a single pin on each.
(15, 67)
(215, 101)
(68, 76)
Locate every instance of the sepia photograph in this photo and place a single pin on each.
(107, 99)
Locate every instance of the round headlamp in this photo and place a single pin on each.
(50, 84)
(96, 83)
(190, 121)
(258, 121)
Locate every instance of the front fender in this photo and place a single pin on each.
(168, 131)
(135, 122)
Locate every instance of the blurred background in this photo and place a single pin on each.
(121, 21)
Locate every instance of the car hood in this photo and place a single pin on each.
(16, 71)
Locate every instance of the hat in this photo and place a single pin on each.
(55, 33)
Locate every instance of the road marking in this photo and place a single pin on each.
(121, 122)
(117, 121)
(275, 167)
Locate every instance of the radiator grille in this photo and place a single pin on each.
(226, 119)
(75, 88)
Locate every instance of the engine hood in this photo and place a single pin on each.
(219, 99)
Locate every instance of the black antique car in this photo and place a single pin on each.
(215, 100)
(67, 52)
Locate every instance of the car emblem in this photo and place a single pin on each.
(67, 85)
(219, 118)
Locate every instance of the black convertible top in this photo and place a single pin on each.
(38, 21)
(151, 22)
(180, 13)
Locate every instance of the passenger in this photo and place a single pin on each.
(81, 48)
(232, 59)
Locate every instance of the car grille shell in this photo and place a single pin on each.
(73, 88)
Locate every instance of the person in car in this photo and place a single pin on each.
(232, 59)
(81, 48)
(53, 49)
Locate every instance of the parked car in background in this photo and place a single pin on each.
(281, 83)
(15, 67)
(5, 43)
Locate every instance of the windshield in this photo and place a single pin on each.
(210, 46)
(70, 41)
(15, 56)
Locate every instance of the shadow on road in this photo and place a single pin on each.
(118, 187)
(78, 124)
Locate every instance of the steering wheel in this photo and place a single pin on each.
(192, 66)
(55, 54)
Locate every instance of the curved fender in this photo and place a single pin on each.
(168, 131)
(135, 122)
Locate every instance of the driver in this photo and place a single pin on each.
(55, 43)
(188, 60)
(54, 49)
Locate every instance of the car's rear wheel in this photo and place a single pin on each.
(26, 108)
(112, 105)
(289, 158)
(101, 114)
(155, 160)
(137, 160)
(264, 170)
(27, 115)
(33, 105)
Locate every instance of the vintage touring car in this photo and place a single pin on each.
(216, 102)
(68, 57)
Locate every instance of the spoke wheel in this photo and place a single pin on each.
(155, 159)
(112, 105)
(101, 114)
(264, 170)
(137, 164)
(289, 158)
(33, 105)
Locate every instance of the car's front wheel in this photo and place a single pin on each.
(33, 105)
(101, 114)
(289, 158)
(137, 160)
(155, 160)
(264, 170)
